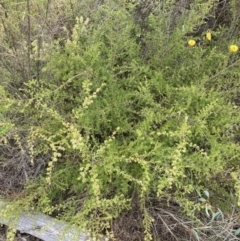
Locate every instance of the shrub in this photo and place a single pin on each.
(132, 111)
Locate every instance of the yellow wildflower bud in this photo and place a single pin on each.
(191, 42)
(233, 48)
(208, 36)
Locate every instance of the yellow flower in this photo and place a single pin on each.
(233, 48)
(191, 42)
(208, 36)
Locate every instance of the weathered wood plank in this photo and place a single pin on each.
(46, 228)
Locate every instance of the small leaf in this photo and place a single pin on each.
(214, 216)
(206, 193)
(237, 232)
(201, 199)
(220, 212)
(199, 194)
(196, 234)
(207, 213)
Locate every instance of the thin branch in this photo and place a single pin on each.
(28, 36)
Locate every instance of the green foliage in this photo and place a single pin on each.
(126, 109)
(6, 104)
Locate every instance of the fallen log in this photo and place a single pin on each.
(45, 227)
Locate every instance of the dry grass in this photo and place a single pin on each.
(16, 169)
(170, 224)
